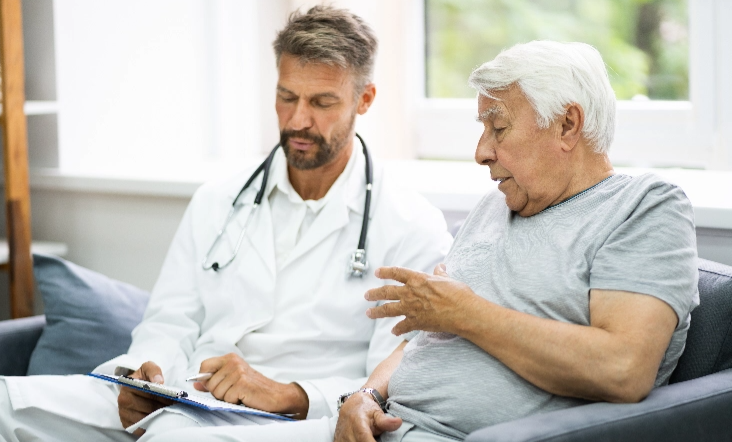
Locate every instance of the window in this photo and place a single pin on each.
(665, 62)
(644, 43)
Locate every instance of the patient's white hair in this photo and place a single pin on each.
(552, 75)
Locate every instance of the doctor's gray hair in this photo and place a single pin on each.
(553, 75)
(332, 36)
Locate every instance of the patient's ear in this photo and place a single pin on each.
(572, 122)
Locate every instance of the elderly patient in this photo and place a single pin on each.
(572, 284)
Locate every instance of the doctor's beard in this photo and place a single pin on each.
(325, 152)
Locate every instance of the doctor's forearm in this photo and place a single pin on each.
(379, 379)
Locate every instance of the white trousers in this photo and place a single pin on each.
(95, 418)
(36, 424)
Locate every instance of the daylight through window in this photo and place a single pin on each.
(645, 43)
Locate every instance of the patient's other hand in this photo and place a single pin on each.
(433, 303)
(361, 419)
(133, 404)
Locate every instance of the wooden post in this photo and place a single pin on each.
(15, 139)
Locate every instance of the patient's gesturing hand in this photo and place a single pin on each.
(360, 419)
(133, 404)
(430, 302)
(235, 381)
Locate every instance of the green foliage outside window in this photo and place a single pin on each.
(643, 42)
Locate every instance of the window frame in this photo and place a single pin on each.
(648, 133)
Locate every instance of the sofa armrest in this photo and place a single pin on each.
(18, 338)
(700, 409)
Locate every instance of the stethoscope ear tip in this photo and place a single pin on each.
(215, 266)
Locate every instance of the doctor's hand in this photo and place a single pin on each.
(236, 382)
(433, 303)
(361, 419)
(133, 404)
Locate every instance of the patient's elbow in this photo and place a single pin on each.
(630, 383)
(631, 395)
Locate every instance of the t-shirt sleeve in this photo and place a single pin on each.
(653, 252)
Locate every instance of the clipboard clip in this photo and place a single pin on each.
(153, 387)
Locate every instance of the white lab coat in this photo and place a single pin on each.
(195, 314)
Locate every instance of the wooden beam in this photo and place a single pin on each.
(15, 139)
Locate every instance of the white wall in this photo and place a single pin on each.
(124, 237)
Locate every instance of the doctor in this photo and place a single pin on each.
(282, 326)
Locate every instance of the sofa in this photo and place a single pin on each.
(89, 317)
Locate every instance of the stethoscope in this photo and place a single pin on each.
(358, 264)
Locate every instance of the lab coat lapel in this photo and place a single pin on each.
(261, 235)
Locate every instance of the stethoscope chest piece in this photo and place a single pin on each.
(358, 265)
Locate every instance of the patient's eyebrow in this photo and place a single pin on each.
(489, 113)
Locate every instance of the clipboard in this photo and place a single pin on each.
(183, 397)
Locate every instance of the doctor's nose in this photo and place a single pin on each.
(302, 117)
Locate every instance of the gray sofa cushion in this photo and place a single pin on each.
(18, 338)
(89, 317)
(709, 343)
(698, 410)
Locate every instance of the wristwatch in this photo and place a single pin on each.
(372, 392)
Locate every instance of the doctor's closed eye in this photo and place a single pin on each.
(325, 101)
(324, 104)
(287, 98)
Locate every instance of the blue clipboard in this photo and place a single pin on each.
(183, 397)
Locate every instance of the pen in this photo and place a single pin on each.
(199, 377)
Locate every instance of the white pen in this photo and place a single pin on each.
(199, 377)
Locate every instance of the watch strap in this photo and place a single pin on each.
(375, 395)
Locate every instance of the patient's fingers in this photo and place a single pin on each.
(404, 326)
(440, 270)
(396, 273)
(385, 293)
(387, 310)
(384, 423)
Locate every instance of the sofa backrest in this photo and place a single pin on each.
(709, 342)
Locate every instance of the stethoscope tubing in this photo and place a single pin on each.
(367, 202)
(264, 168)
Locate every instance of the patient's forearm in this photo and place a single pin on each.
(615, 359)
(379, 379)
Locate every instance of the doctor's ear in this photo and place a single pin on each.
(366, 98)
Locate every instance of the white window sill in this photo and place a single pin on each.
(450, 185)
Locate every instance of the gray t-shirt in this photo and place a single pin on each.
(630, 234)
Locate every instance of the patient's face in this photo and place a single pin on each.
(526, 160)
(316, 110)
